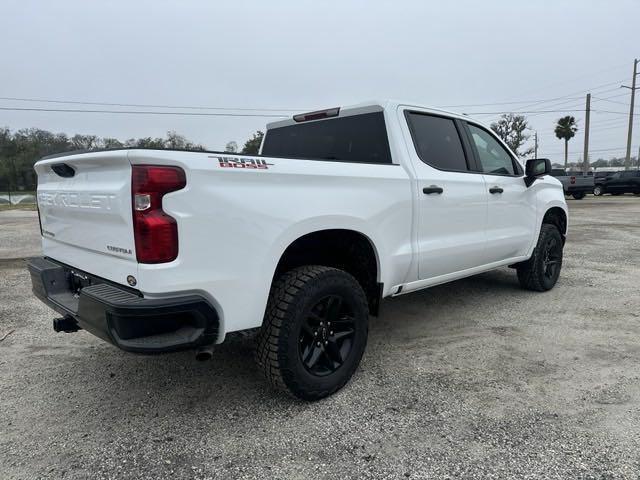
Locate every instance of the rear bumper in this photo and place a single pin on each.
(122, 316)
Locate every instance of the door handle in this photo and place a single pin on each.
(496, 190)
(432, 189)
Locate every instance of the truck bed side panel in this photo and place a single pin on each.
(235, 222)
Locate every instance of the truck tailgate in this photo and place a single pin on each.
(84, 202)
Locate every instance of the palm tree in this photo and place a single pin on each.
(566, 129)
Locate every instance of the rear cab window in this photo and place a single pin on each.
(360, 138)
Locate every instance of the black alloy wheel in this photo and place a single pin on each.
(552, 258)
(541, 272)
(314, 332)
(326, 336)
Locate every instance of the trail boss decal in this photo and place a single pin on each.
(249, 163)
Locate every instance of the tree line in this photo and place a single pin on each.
(512, 129)
(21, 149)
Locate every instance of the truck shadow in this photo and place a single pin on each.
(230, 382)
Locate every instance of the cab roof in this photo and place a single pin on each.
(359, 109)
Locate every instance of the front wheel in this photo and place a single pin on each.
(578, 195)
(598, 190)
(314, 331)
(541, 271)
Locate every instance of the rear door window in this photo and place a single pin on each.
(356, 138)
(437, 141)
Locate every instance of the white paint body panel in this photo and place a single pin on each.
(511, 218)
(234, 223)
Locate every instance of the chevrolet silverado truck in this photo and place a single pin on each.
(160, 250)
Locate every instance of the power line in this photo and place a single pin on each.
(500, 103)
(193, 107)
(618, 121)
(566, 108)
(198, 107)
(592, 74)
(607, 121)
(143, 112)
(569, 108)
(597, 99)
(581, 92)
(594, 150)
(610, 127)
(564, 104)
(568, 98)
(140, 112)
(616, 113)
(143, 105)
(527, 112)
(623, 94)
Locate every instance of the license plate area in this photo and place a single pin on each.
(78, 280)
(61, 285)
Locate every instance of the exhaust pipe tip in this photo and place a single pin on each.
(204, 353)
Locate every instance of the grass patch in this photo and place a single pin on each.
(28, 206)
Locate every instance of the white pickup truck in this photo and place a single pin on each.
(155, 250)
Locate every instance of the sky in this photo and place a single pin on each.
(284, 56)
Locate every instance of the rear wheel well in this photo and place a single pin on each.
(347, 250)
(556, 216)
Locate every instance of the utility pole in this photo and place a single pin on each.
(633, 88)
(535, 145)
(585, 166)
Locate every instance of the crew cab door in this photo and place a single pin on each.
(511, 209)
(451, 201)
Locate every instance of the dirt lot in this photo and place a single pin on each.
(473, 379)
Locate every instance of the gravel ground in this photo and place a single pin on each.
(475, 379)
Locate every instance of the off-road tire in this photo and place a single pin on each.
(291, 299)
(532, 273)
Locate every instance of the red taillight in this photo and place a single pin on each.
(572, 180)
(155, 232)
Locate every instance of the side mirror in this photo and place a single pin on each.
(535, 168)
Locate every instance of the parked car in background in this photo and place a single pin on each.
(599, 177)
(575, 184)
(618, 183)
